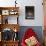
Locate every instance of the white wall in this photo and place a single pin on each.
(38, 21)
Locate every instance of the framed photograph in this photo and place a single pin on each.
(5, 12)
(29, 12)
(13, 12)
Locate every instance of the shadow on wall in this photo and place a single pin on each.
(37, 29)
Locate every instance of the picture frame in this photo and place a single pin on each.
(5, 12)
(13, 12)
(29, 12)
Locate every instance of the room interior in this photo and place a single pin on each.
(17, 16)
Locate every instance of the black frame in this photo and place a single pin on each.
(29, 12)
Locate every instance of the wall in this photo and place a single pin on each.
(38, 21)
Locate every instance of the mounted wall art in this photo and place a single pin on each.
(29, 12)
